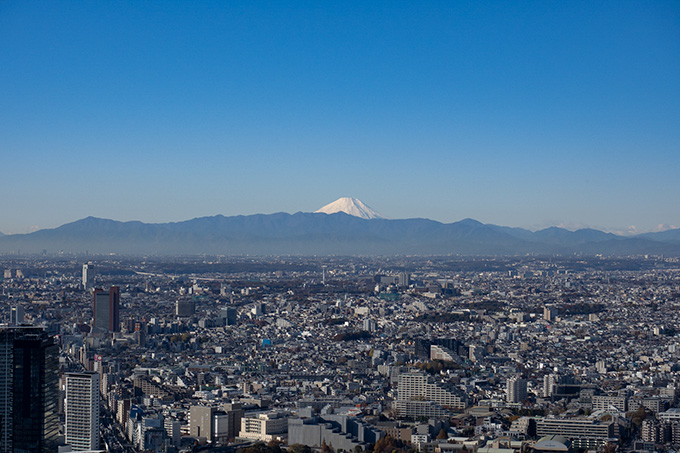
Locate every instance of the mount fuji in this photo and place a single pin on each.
(351, 206)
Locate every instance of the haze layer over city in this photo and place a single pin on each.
(366, 227)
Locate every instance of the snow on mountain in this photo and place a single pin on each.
(351, 206)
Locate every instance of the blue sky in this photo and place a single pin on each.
(515, 113)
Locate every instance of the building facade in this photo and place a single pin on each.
(106, 310)
(88, 276)
(264, 427)
(419, 396)
(584, 433)
(29, 390)
(82, 411)
(516, 389)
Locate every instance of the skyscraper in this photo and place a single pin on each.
(16, 316)
(29, 390)
(82, 411)
(549, 381)
(516, 389)
(107, 310)
(88, 276)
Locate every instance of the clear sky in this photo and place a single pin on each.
(509, 112)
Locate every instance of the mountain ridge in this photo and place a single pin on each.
(327, 234)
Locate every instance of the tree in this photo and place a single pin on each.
(442, 434)
(325, 448)
(609, 448)
(274, 446)
(638, 415)
(299, 448)
(388, 444)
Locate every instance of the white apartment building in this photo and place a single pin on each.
(82, 411)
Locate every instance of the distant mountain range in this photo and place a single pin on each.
(328, 234)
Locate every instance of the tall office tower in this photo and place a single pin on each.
(88, 276)
(16, 316)
(549, 313)
(29, 390)
(229, 315)
(403, 279)
(107, 310)
(82, 411)
(516, 389)
(185, 308)
(549, 381)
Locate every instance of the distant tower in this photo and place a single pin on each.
(16, 316)
(549, 313)
(88, 276)
(403, 279)
(323, 277)
(185, 308)
(549, 381)
(516, 389)
(107, 310)
(82, 411)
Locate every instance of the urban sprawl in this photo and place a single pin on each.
(384, 355)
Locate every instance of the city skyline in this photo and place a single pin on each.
(528, 115)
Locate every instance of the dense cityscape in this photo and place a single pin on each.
(340, 227)
(438, 355)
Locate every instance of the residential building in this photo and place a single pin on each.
(88, 276)
(82, 411)
(516, 389)
(418, 395)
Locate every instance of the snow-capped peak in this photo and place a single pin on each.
(350, 206)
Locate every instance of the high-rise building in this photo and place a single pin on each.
(516, 389)
(549, 313)
(88, 276)
(403, 279)
(185, 308)
(29, 390)
(82, 411)
(107, 310)
(16, 316)
(229, 315)
(549, 381)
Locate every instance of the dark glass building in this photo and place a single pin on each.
(29, 390)
(107, 310)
